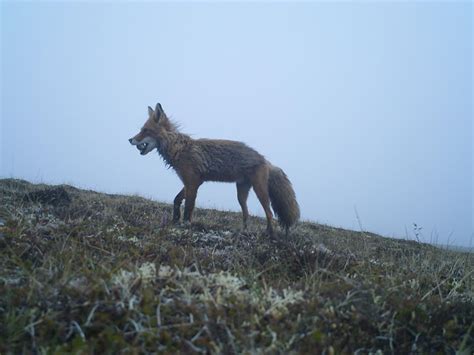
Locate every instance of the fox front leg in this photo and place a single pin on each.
(190, 199)
(178, 200)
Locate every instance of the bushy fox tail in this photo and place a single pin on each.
(282, 197)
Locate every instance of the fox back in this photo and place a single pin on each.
(224, 160)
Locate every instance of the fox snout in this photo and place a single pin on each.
(145, 145)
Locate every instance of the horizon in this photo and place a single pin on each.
(366, 106)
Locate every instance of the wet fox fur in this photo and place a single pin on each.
(199, 160)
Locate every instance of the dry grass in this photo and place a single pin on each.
(87, 272)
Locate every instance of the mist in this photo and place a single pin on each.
(366, 106)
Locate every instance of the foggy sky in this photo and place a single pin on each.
(366, 106)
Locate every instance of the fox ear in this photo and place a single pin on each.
(159, 108)
(150, 111)
(158, 111)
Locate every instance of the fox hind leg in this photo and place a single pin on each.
(260, 186)
(242, 195)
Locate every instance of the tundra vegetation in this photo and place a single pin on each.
(88, 272)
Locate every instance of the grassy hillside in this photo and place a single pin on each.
(80, 270)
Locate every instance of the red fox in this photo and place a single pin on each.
(199, 160)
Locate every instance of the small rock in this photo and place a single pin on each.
(322, 249)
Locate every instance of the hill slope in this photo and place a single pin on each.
(80, 270)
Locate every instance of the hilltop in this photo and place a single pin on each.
(94, 272)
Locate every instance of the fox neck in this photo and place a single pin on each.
(170, 144)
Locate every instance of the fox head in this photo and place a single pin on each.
(148, 138)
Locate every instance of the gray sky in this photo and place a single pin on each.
(366, 106)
